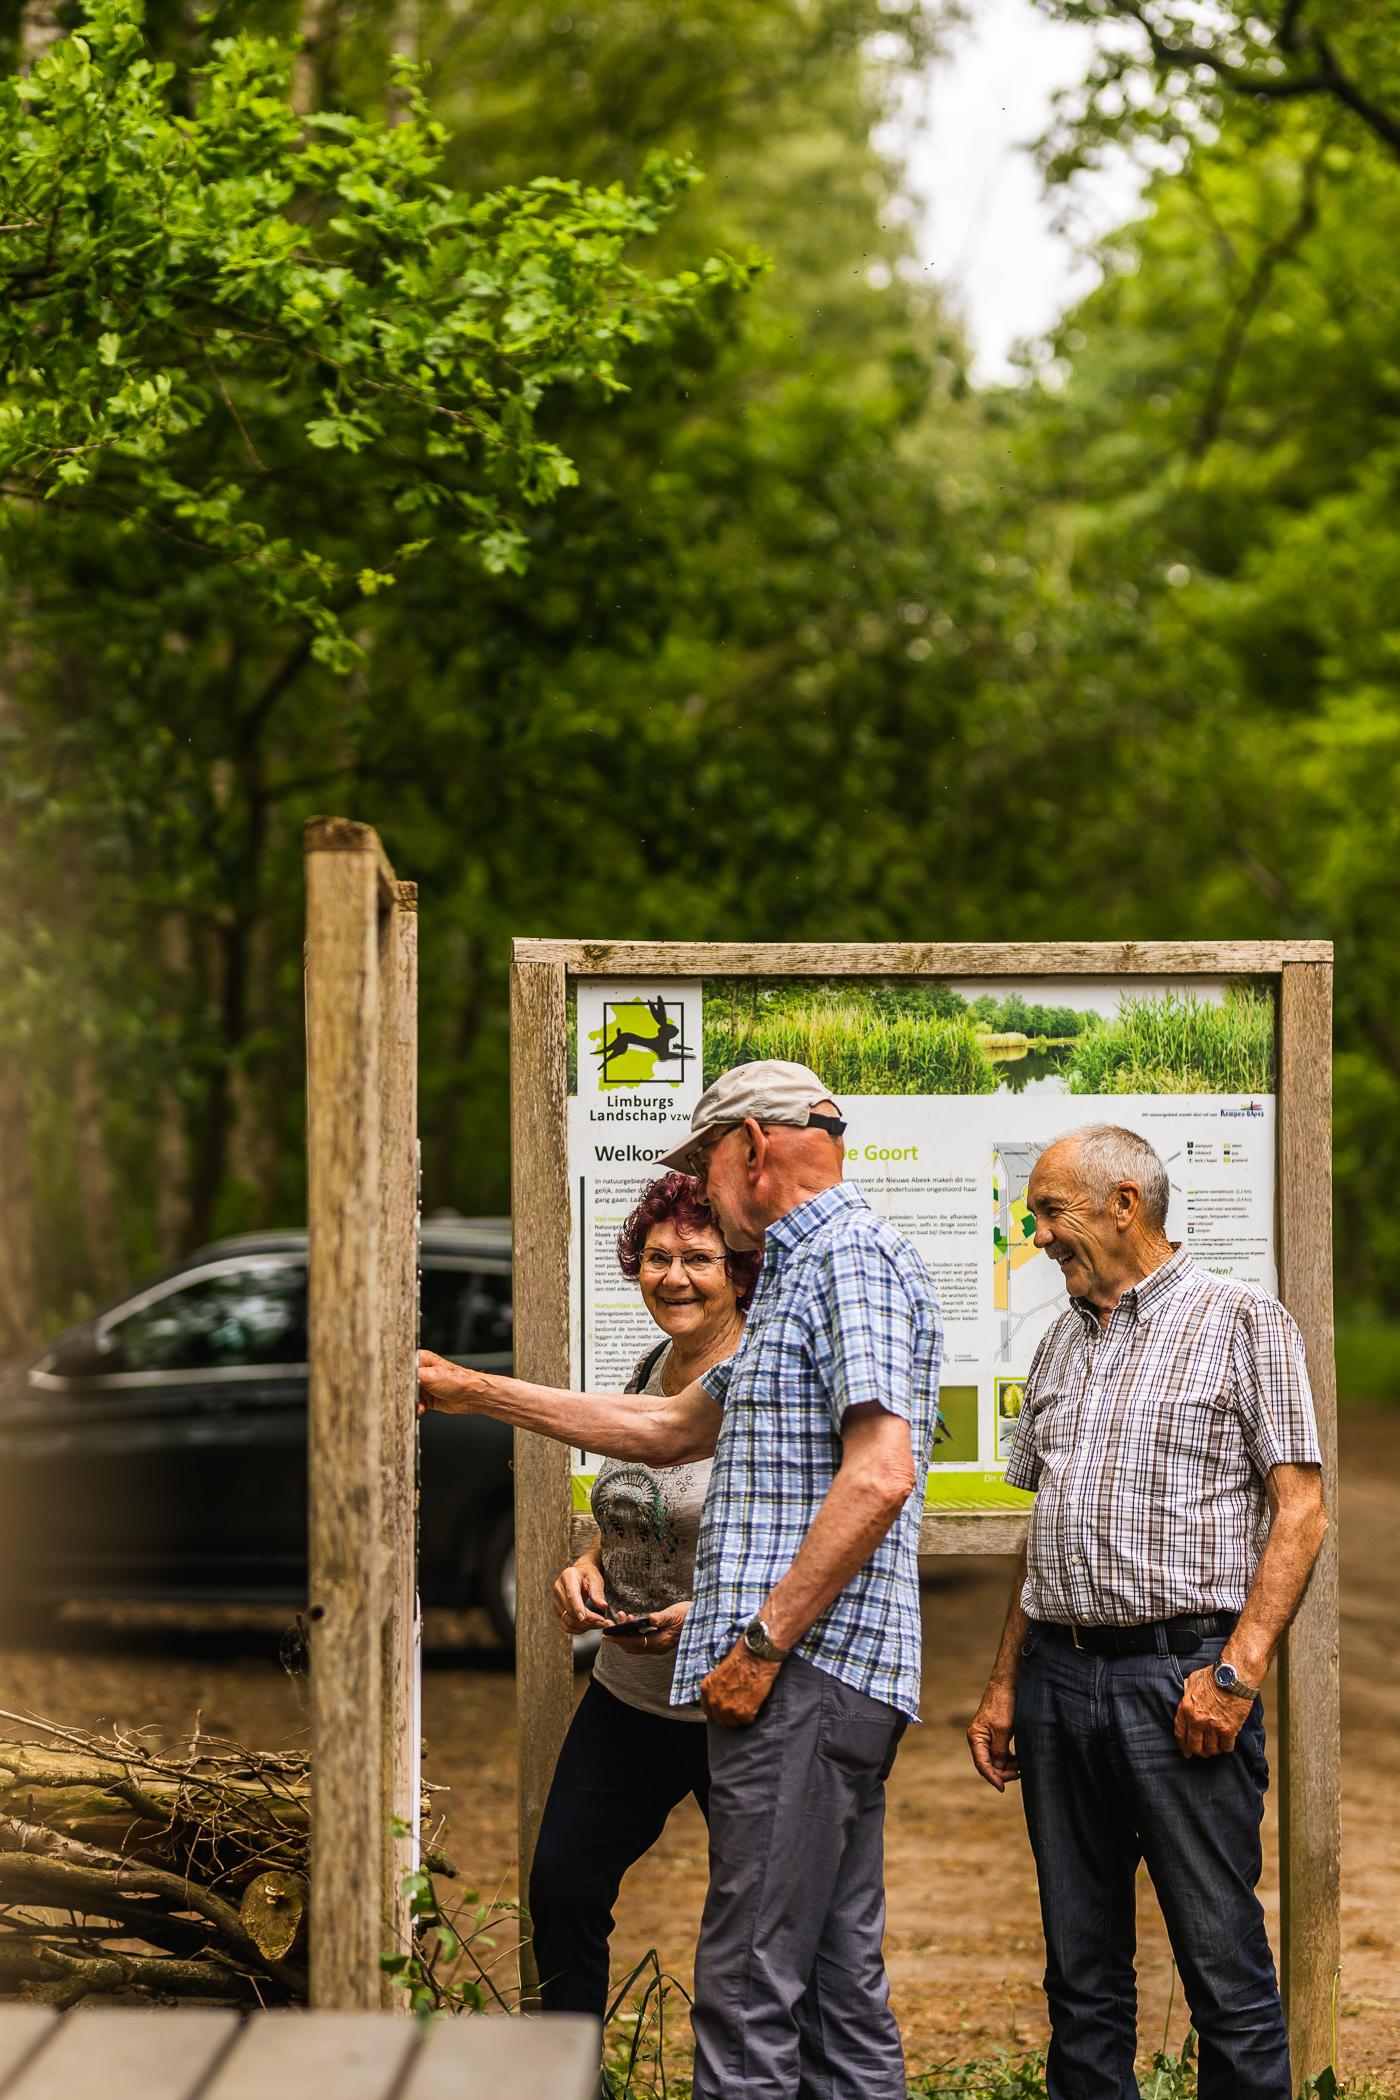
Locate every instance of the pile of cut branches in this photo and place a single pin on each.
(131, 1870)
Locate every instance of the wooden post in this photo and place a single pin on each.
(361, 1208)
(540, 1214)
(400, 1728)
(1310, 1836)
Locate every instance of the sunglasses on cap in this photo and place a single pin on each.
(696, 1162)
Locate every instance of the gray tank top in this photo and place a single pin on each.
(648, 1518)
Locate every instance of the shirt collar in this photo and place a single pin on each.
(1148, 1295)
(799, 1224)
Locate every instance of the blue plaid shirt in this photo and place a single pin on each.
(845, 1313)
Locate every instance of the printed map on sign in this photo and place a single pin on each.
(1025, 1282)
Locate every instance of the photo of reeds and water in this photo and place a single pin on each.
(932, 1038)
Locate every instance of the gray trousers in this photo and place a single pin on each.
(791, 1997)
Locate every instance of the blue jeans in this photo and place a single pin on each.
(1105, 1786)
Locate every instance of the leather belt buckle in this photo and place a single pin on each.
(1074, 1636)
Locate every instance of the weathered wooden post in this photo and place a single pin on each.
(540, 1216)
(362, 1201)
(1310, 1766)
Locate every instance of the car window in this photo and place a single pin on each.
(494, 1319)
(250, 1315)
(465, 1311)
(445, 1303)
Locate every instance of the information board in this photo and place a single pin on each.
(951, 1093)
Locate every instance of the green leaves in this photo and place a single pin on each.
(445, 1970)
(251, 275)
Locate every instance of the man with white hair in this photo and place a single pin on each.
(803, 1642)
(1168, 1431)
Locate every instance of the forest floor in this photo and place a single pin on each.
(964, 1943)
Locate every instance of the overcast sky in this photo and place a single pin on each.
(986, 227)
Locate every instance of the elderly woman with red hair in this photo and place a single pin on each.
(630, 1756)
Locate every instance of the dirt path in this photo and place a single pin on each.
(964, 1936)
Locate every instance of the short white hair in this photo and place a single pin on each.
(1107, 1155)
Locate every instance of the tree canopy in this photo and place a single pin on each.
(631, 548)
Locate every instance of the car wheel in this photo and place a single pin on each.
(498, 1583)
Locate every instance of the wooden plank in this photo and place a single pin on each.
(398, 1418)
(998, 1531)
(500, 2058)
(23, 2028)
(345, 1586)
(1310, 1846)
(343, 2055)
(923, 958)
(540, 1209)
(127, 2053)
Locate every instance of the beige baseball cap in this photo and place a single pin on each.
(771, 1091)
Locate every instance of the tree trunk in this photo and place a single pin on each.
(255, 1124)
(315, 27)
(216, 1121)
(38, 29)
(19, 1310)
(440, 1168)
(405, 39)
(93, 1170)
(172, 1146)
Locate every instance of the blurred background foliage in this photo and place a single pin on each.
(825, 641)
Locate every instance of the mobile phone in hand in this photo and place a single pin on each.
(635, 1627)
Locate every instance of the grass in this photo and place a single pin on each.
(999, 2077)
(1174, 1043)
(636, 2066)
(856, 1050)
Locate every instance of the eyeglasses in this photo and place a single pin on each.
(695, 1264)
(697, 1160)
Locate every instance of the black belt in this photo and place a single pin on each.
(1182, 1635)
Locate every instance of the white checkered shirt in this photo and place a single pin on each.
(1148, 1444)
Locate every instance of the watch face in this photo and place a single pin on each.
(1226, 1676)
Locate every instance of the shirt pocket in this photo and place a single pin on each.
(775, 1362)
(1195, 1426)
(1056, 1423)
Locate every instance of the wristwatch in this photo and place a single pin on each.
(760, 1642)
(1228, 1679)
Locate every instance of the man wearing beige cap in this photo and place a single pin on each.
(803, 1642)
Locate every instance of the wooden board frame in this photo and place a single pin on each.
(362, 1211)
(1309, 1693)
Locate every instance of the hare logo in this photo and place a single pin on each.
(639, 1040)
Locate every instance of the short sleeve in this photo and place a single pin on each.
(1023, 1467)
(865, 1343)
(716, 1380)
(1272, 1392)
